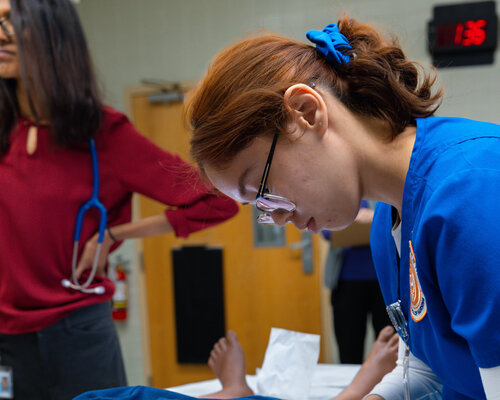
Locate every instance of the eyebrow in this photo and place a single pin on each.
(241, 182)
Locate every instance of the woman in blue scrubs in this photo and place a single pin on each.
(305, 132)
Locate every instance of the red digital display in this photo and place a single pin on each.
(462, 34)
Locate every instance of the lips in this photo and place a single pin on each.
(6, 52)
(311, 225)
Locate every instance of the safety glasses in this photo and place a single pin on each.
(269, 203)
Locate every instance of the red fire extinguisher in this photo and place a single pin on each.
(120, 297)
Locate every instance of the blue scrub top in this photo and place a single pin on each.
(450, 290)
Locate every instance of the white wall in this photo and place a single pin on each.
(130, 330)
(175, 40)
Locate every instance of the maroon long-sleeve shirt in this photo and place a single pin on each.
(40, 195)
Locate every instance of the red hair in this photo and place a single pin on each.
(241, 96)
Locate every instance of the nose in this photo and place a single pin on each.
(281, 217)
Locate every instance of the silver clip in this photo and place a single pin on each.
(398, 320)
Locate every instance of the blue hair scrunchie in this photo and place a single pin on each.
(331, 43)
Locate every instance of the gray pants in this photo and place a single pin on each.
(75, 355)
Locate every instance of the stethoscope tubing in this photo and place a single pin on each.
(93, 202)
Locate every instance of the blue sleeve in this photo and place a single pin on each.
(461, 229)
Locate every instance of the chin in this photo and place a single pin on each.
(9, 73)
(335, 225)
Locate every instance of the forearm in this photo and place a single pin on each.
(348, 395)
(352, 393)
(151, 226)
(364, 381)
(422, 380)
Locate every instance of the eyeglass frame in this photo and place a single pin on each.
(264, 218)
(5, 30)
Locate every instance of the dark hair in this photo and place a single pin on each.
(56, 70)
(241, 96)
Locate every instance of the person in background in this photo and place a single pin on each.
(305, 133)
(61, 341)
(355, 295)
(227, 361)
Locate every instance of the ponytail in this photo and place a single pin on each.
(242, 94)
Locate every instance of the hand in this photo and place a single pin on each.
(87, 258)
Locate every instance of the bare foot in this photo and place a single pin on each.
(227, 361)
(380, 361)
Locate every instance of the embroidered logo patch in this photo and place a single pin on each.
(418, 303)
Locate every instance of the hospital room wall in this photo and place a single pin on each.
(175, 40)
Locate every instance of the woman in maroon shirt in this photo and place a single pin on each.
(61, 342)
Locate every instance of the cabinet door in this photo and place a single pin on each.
(264, 286)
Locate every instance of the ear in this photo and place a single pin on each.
(307, 110)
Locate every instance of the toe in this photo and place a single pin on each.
(231, 335)
(218, 347)
(385, 334)
(394, 341)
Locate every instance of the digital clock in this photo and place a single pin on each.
(463, 34)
